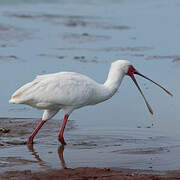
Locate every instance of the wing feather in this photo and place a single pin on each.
(64, 88)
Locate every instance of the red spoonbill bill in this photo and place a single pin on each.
(70, 91)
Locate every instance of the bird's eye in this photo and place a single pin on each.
(131, 68)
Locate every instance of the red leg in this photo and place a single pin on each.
(61, 132)
(31, 137)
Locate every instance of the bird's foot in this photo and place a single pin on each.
(61, 140)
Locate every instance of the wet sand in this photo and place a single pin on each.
(86, 173)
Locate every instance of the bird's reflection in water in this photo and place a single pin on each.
(36, 156)
(61, 156)
(43, 163)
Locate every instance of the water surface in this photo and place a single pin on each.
(39, 37)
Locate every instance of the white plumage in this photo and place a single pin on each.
(69, 91)
(64, 90)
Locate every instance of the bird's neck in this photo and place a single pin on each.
(113, 81)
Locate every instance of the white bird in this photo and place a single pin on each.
(70, 91)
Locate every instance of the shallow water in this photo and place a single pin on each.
(39, 37)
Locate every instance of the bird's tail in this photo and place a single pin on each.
(14, 101)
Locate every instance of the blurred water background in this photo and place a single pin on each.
(41, 36)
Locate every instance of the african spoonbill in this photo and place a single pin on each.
(70, 91)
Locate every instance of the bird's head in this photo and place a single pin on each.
(129, 70)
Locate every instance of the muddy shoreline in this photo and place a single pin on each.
(89, 173)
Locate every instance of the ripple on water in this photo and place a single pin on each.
(11, 58)
(10, 35)
(149, 150)
(14, 161)
(84, 38)
(70, 21)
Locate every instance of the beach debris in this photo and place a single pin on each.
(4, 130)
(107, 169)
